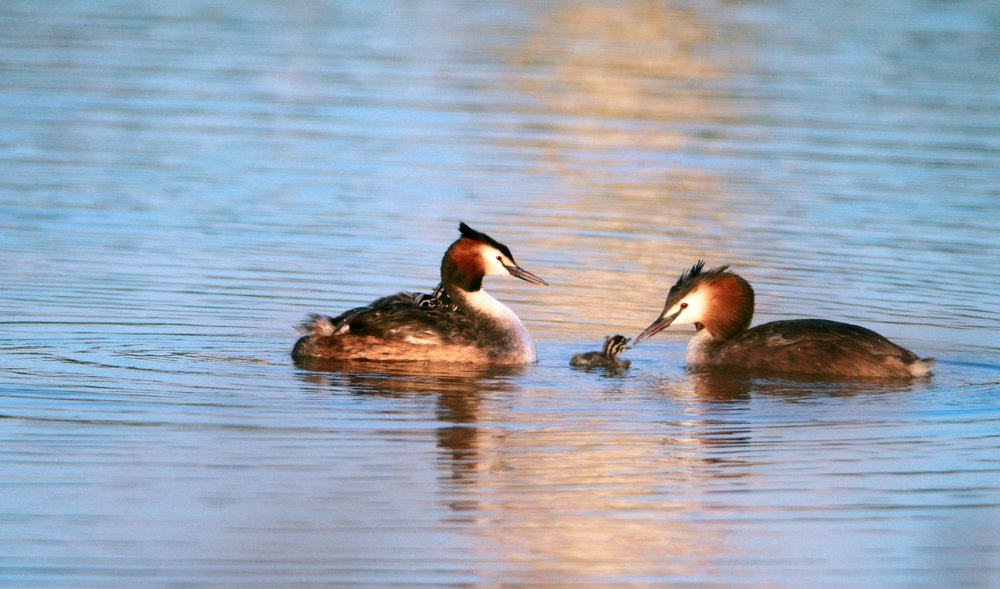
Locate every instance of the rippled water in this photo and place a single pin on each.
(182, 182)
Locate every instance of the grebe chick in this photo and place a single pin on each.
(459, 322)
(720, 305)
(607, 357)
(438, 299)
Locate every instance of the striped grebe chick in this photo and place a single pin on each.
(459, 322)
(719, 304)
(607, 357)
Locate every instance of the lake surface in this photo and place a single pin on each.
(182, 182)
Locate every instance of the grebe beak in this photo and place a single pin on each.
(523, 274)
(656, 327)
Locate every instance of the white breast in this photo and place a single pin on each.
(697, 350)
(523, 348)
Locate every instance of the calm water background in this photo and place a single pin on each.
(181, 182)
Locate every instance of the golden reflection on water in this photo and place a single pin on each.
(559, 498)
(618, 62)
(565, 503)
(551, 494)
(618, 82)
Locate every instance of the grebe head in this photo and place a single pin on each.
(717, 300)
(615, 344)
(475, 255)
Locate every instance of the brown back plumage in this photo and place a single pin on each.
(819, 346)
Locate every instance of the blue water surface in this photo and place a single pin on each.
(182, 182)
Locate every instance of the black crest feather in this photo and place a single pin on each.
(697, 273)
(479, 236)
(693, 277)
(692, 273)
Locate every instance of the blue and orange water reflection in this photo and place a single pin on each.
(182, 182)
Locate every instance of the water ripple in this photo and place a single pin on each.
(180, 183)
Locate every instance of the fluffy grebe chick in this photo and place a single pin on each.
(607, 357)
(720, 305)
(459, 322)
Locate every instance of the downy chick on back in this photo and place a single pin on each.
(459, 322)
(720, 304)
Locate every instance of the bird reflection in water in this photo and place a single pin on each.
(721, 384)
(459, 389)
(711, 386)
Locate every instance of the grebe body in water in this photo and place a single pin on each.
(459, 322)
(720, 303)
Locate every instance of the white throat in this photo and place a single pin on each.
(482, 302)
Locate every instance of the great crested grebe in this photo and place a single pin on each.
(459, 322)
(607, 357)
(720, 305)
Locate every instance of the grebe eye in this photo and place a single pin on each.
(684, 306)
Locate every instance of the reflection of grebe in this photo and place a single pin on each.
(460, 322)
(608, 356)
(720, 305)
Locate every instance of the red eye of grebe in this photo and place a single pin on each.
(684, 306)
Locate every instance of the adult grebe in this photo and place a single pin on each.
(607, 357)
(720, 305)
(459, 322)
